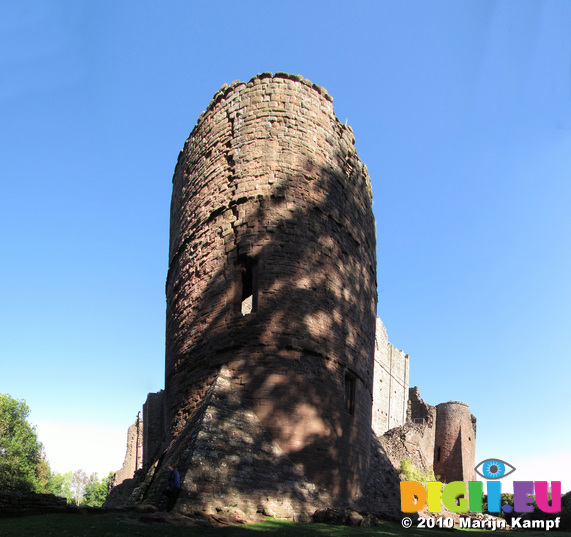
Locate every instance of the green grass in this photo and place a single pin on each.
(117, 525)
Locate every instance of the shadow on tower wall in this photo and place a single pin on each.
(271, 307)
(301, 361)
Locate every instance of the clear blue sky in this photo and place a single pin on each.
(461, 111)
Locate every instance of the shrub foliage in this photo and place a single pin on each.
(409, 472)
(20, 450)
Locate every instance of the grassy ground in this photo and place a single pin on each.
(117, 525)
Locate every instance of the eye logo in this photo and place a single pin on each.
(494, 469)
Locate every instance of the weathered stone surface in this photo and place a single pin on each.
(271, 203)
(390, 386)
(415, 440)
(441, 438)
(411, 441)
(345, 517)
(273, 376)
(229, 460)
(381, 496)
(134, 454)
(154, 423)
(21, 504)
(455, 454)
(419, 411)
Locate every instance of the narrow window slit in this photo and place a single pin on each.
(249, 298)
(350, 393)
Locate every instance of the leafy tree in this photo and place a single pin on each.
(96, 491)
(20, 450)
(60, 485)
(79, 481)
(79, 489)
(55, 484)
(43, 473)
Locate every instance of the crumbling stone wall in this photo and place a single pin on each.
(415, 439)
(272, 206)
(419, 411)
(14, 504)
(134, 454)
(390, 385)
(153, 426)
(441, 438)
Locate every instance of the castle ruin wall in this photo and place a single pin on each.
(441, 439)
(415, 439)
(154, 426)
(390, 384)
(276, 368)
(455, 442)
(134, 454)
(272, 272)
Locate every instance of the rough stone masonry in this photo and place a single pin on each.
(271, 316)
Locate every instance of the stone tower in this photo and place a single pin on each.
(272, 277)
(455, 442)
(270, 339)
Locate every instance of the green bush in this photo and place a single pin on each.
(409, 472)
(96, 491)
(78, 488)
